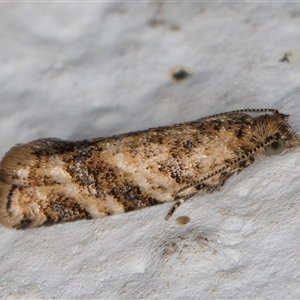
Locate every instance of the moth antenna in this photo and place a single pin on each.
(247, 110)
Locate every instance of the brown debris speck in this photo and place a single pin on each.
(183, 220)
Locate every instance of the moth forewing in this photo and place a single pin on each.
(49, 180)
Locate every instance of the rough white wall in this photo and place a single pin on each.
(81, 70)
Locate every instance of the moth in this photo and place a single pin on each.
(50, 180)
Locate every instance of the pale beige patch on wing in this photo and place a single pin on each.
(100, 208)
(145, 173)
(56, 169)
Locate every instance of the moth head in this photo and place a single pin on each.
(275, 132)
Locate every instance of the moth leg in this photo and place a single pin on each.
(194, 189)
(176, 205)
(182, 199)
(237, 169)
(245, 163)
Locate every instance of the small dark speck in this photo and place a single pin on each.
(179, 74)
(285, 57)
(174, 27)
(295, 14)
(154, 23)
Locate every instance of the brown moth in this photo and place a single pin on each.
(50, 180)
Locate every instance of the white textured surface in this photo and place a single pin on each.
(74, 71)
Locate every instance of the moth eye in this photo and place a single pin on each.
(276, 147)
